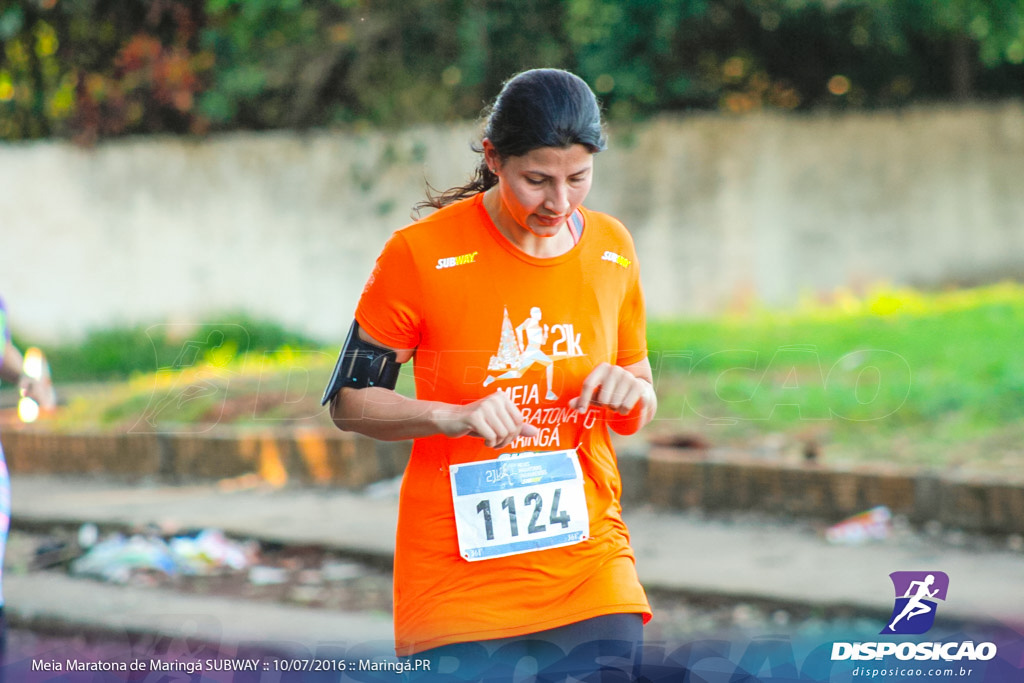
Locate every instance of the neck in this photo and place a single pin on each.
(522, 237)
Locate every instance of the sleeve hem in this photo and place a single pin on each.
(383, 338)
(631, 358)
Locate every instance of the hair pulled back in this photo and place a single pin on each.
(536, 108)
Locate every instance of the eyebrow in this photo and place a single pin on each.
(571, 175)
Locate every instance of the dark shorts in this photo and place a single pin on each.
(604, 649)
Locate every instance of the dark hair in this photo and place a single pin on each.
(536, 108)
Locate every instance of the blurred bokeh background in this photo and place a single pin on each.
(820, 187)
(825, 197)
(94, 69)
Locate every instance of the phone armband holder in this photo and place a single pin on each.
(362, 364)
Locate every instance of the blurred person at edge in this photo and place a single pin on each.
(524, 314)
(11, 364)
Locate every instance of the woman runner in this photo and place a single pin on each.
(524, 315)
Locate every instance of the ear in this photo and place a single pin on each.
(491, 156)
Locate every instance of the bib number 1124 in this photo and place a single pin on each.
(533, 498)
(520, 504)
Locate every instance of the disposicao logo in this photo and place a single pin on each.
(916, 595)
(913, 613)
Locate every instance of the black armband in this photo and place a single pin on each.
(362, 364)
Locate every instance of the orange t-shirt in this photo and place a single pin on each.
(483, 316)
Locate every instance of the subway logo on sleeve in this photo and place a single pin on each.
(452, 261)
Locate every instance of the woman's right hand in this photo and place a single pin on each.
(494, 418)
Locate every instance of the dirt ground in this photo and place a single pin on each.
(321, 579)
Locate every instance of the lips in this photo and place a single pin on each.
(550, 221)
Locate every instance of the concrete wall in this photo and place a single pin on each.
(286, 226)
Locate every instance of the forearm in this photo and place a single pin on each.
(386, 415)
(10, 369)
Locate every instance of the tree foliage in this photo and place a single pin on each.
(87, 69)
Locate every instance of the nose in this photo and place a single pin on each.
(557, 201)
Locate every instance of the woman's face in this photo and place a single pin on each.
(542, 188)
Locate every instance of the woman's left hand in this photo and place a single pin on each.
(619, 389)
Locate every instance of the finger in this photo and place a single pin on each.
(613, 393)
(643, 405)
(619, 390)
(525, 430)
(506, 422)
(522, 427)
(510, 417)
(484, 430)
(506, 418)
(590, 385)
(507, 427)
(634, 394)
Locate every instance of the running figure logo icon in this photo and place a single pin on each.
(916, 593)
(520, 349)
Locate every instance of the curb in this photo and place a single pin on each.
(303, 456)
(667, 477)
(694, 479)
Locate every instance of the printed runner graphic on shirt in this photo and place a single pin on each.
(522, 347)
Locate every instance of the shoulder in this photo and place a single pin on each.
(448, 234)
(611, 234)
(442, 224)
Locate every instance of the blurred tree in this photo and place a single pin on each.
(91, 68)
(635, 53)
(274, 59)
(293, 63)
(975, 34)
(94, 68)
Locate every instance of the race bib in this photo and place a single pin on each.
(519, 503)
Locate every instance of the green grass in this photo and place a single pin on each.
(122, 352)
(929, 379)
